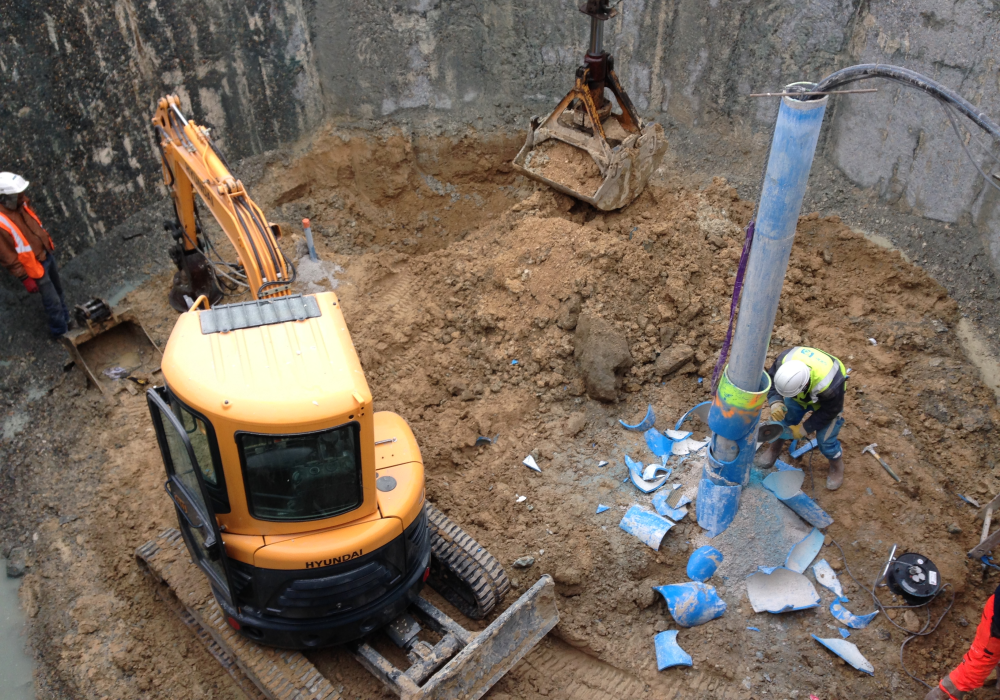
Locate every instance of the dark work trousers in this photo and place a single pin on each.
(53, 300)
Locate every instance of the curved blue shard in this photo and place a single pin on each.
(701, 411)
(780, 590)
(668, 653)
(648, 527)
(703, 562)
(635, 470)
(802, 554)
(644, 425)
(658, 443)
(848, 652)
(601, 508)
(855, 622)
(716, 505)
(663, 508)
(693, 603)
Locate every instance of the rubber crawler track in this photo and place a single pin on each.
(460, 561)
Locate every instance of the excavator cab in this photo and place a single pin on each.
(303, 507)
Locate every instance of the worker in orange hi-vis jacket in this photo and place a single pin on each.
(981, 658)
(27, 251)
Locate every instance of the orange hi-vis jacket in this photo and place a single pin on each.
(23, 247)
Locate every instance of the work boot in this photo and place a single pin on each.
(768, 455)
(835, 478)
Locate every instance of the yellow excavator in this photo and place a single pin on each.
(302, 507)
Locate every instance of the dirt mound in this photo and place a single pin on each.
(463, 287)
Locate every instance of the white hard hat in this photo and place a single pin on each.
(791, 378)
(11, 183)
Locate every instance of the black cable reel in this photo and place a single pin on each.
(914, 578)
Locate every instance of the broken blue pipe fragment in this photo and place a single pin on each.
(658, 443)
(663, 508)
(849, 652)
(797, 452)
(827, 577)
(635, 470)
(786, 484)
(703, 562)
(601, 508)
(513, 362)
(700, 411)
(643, 425)
(692, 603)
(844, 633)
(668, 653)
(753, 629)
(648, 527)
(801, 555)
(717, 503)
(778, 590)
(483, 440)
(855, 622)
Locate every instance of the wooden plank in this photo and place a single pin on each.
(985, 547)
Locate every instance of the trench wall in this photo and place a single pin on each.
(80, 79)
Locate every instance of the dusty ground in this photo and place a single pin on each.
(452, 268)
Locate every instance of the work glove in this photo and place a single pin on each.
(30, 285)
(778, 411)
(798, 432)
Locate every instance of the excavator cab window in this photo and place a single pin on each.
(206, 450)
(304, 476)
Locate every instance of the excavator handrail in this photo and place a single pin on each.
(192, 163)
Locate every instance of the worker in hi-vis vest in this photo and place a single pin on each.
(804, 380)
(26, 249)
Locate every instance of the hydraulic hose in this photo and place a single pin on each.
(912, 79)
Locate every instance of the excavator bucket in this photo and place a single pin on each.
(112, 348)
(584, 150)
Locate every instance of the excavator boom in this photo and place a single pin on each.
(191, 163)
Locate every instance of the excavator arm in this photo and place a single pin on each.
(191, 163)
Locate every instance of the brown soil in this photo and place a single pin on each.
(566, 165)
(446, 280)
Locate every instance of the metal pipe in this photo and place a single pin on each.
(596, 36)
(792, 150)
(312, 248)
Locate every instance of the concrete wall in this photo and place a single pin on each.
(80, 78)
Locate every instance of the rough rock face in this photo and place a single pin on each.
(672, 360)
(603, 356)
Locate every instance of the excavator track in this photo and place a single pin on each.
(468, 576)
(260, 672)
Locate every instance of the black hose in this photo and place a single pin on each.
(912, 79)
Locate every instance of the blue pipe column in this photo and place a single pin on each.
(742, 392)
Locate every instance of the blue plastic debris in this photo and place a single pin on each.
(648, 527)
(971, 501)
(483, 440)
(848, 652)
(701, 411)
(601, 508)
(802, 554)
(530, 463)
(663, 508)
(786, 484)
(753, 629)
(716, 506)
(701, 379)
(827, 577)
(513, 362)
(781, 590)
(602, 463)
(658, 443)
(668, 653)
(703, 562)
(635, 470)
(651, 471)
(643, 425)
(855, 622)
(844, 633)
(799, 451)
(693, 603)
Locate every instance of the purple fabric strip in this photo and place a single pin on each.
(737, 289)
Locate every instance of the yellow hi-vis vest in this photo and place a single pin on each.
(822, 371)
(25, 255)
